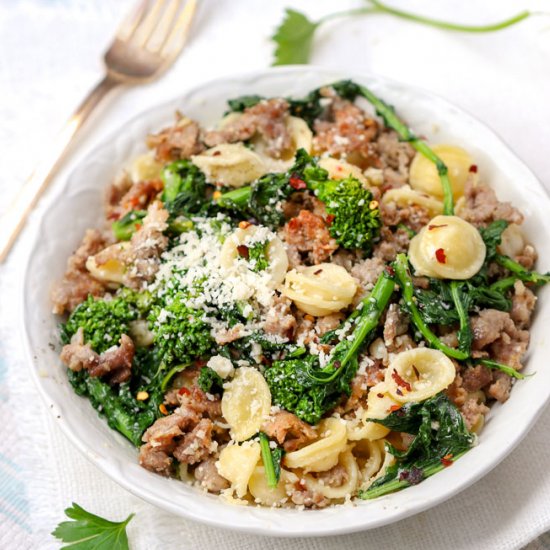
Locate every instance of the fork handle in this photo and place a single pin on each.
(14, 218)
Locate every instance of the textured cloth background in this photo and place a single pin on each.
(49, 60)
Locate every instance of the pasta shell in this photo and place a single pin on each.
(276, 252)
(108, 264)
(246, 403)
(340, 169)
(418, 374)
(237, 463)
(348, 462)
(323, 454)
(320, 289)
(145, 168)
(447, 248)
(423, 174)
(230, 164)
(405, 196)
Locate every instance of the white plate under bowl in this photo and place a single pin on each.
(79, 206)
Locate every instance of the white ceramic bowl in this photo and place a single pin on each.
(78, 206)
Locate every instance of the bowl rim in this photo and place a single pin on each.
(322, 528)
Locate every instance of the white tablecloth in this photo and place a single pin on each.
(50, 58)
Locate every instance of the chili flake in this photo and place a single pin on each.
(297, 183)
(440, 256)
(399, 381)
(446, 460)
(244, 224)
(163, 409)
(473, 169)
(243, 251)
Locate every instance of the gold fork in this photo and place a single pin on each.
(145, 45)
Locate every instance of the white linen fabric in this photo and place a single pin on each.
(50, 58)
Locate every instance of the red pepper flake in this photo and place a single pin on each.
(399, 381)
(431, 227)
(473, 169)
(390, 270)
(394, 408)
(243, 251)
(138, 226)
(329, 219)
(380, 395)
(184, 391)
(163, 409)
(416, 373)
(297, 183)
(318, 272)
(446, 460)
(440, 256)
(244, 224)
(216, 153)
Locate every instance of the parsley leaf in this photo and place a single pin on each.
(87, 531)
(294, 36)
(294, 39)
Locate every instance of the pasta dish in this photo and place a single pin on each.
(304, 305)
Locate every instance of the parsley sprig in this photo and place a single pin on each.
(86, 531)
(294, 36)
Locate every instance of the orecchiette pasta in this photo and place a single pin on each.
(373, 460)
(230, 164)
(237, 463)
(246, 403)
(380, 402)
(108, 265)
(323, 454)
(145, 167)
(447, 248)
(276, 252)
(268, 496)
(340, 169)
(320, 289)
(348, 462)
(301, 137)
(512, 241)
(362, 428)
(424, 176)
(405, 196)
(417, 374)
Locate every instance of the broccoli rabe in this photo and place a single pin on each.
(124, 228)
(103, 322)
(184, 188)
(119, 404)
(354, 217)
(440, 438)
(302, 387)
(262, 198)
(209, 381)
(258, 256)
(181, 333)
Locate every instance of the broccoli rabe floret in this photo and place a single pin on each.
(258, 256)
(181, 333)
(302, 387)
(354, 215)
(103, 322)
(124, 228)
(184, 188)
(209, 381)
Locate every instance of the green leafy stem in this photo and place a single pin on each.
(294, 36)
